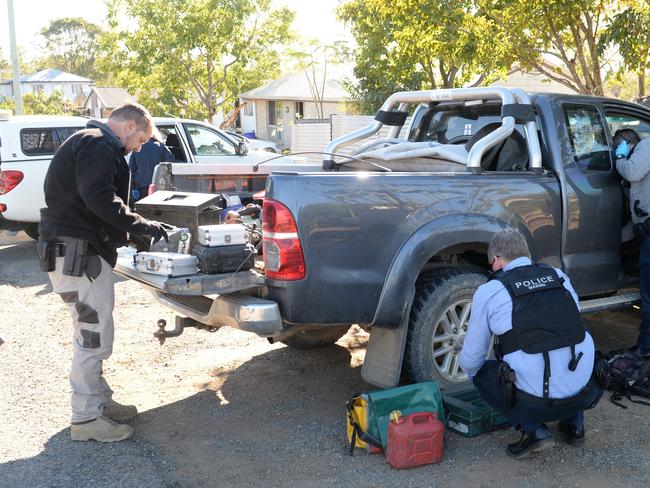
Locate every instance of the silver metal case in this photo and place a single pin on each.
(165, 263)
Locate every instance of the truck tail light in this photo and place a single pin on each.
(9, 180)
(283, 258)
(3, 207)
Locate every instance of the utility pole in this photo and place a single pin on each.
(18, 101)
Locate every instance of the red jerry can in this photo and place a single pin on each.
(414, 440)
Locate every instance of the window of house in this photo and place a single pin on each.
(271, 110)
(248, 108)
(38, 88)
(587, 137)
(300, 110)
(44, 141)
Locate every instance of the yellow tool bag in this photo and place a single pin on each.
(357, 409)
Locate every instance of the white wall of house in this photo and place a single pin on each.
(329, 108)
(247, 117)
(5, 90)
(69, 89)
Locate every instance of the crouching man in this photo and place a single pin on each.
(545, 358)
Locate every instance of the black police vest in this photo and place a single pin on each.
(544, 315)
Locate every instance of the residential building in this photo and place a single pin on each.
(273, 109)
(47, 81)
(102, 99)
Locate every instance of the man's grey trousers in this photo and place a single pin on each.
(91, 306)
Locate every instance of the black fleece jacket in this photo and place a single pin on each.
(87, 191)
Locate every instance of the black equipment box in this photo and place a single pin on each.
(181, 209)
(225, 259)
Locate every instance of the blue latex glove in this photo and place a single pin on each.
(622, 150)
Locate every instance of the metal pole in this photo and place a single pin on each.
(18, 101)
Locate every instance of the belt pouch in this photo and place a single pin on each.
(46, 257)
(76, 253)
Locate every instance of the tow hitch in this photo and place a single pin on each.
(180, 325)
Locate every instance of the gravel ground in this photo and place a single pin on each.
(229, 409)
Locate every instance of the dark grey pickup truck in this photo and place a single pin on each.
(393, 236)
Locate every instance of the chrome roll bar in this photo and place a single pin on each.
(404, 100)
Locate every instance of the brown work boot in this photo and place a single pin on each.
(101, 429)
(118, 412)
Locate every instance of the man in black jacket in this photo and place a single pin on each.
(87, 218)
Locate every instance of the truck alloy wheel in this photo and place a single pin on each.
(438, 325)
(448, 337)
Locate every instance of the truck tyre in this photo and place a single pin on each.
(32, 231)
(316, 338)
(438, 324)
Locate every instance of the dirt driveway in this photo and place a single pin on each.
(230, 410)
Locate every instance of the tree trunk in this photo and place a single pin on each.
(642, 84)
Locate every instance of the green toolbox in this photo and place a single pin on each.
(468, 414)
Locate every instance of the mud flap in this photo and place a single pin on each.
(382, 365)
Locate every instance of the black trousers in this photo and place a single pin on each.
(530, 412)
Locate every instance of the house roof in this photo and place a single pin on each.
(296, 86)
(53, 76)
(110, 96)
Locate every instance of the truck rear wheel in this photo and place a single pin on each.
(438, 325)
(316, 338)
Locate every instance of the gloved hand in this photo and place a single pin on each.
(158, 231)
(622, 150)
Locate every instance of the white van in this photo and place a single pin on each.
(27, 144)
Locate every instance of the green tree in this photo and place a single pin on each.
(4, 64)
(42, 104)
(71, 44)
(558, 38)
(629, 32)
(411, 45)
(193, 57)
(314, 61)
(7, 103)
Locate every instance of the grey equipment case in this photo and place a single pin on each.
(165, 263)
(222, 235)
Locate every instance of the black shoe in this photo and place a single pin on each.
(574, 435)
(536, 441)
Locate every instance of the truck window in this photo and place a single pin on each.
(36, 142)
(587, 136)
(454, 124)
(619, 121)
(206, 142)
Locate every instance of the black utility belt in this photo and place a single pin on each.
(554, 402)
(74, 251)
